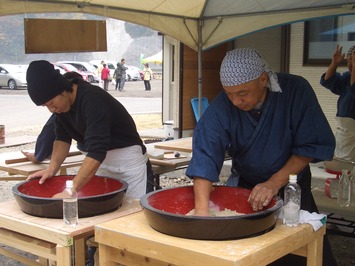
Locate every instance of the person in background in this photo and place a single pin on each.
(99, 123)
(271, 126)
(117, 76)
(148, 73)
(343, 85)
(45, 140)
(99, 69)
(105, 73)
(44, 143)
(123, 69)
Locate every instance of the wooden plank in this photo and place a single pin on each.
(24, 159)
(183, 145)
(63, 255)
(19, 258)
(59, 35)
(28, 168)
(315, 252)
(174, 163)
(32, 245)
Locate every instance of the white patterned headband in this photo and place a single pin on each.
(243, 65)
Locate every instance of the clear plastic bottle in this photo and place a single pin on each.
(344, 189)
(292, 202)
(70, 205)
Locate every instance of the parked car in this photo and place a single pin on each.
(12, 76)
(69, 68)
(61, 70)
(85, 67)
(110, 64)
(133, 73)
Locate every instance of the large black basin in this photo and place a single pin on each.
(100, 195)
(166, 211)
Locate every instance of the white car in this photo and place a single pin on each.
(109, 63)
(132, 72)
(12, 76)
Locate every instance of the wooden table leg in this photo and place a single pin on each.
(105, 257)
(63, 255)
(80, 251)
(315, 252)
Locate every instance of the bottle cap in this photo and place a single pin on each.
(293, 178)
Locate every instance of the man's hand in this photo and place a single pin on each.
(338, 56)
(262, 194)
(43, 175)
(30, 156)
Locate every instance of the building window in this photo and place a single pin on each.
(321, 37)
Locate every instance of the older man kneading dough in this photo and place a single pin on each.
(271, 125)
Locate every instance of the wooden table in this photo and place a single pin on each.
(164, 165)
(329, 205)
(49, 238)
(24, 169)
(183, 145)
(131, 241)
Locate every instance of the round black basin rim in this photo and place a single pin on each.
(22, 195)
(16, 192)
(266, 212)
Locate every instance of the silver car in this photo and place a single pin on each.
(12, 76)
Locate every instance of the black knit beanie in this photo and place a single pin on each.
(44, 82)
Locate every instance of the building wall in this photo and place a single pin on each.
(211, 85)
(267, 42)
(171, 81)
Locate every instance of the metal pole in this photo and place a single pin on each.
(199, 67)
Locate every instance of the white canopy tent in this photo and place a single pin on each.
(155, 59)
(199, 24)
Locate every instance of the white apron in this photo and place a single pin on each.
(128, 164)
(345, 139)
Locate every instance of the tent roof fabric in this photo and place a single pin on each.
(199, 24)
(156, 59)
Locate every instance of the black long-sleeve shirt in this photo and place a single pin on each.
(98, 122)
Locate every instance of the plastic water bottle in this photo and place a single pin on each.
(70, 205)
(344, 189)
(352, 187)
(292, 202)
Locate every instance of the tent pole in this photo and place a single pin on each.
(199, 67)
